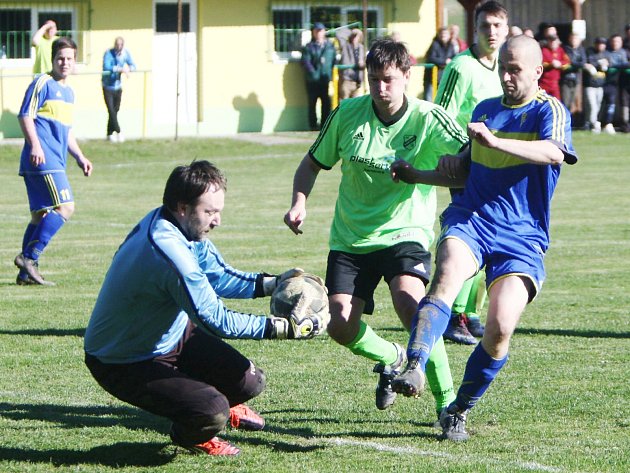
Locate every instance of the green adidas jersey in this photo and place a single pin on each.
(373, 212)
(465, 83)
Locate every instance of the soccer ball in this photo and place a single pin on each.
(303, 300)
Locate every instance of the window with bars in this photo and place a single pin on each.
(292, 22)
(19, 24)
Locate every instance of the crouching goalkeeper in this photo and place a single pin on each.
(154, 337)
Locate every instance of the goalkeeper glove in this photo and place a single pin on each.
(284, 329)
(270, 283)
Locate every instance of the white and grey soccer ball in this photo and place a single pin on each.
(303, 300)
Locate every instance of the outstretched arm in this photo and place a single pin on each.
(303, 182)
(451, 171)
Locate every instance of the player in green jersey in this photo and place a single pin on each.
(380, 230)
(468, 79)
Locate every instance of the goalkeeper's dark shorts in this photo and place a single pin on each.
(194, 385)
(359, 274)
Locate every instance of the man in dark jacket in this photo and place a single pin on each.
(318, 59)
(597, 62)
(439, 54)
(572, 76)
(624, 85)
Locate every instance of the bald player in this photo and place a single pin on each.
(472, 76)
(500, 222)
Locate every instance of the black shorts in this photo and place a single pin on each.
(359, 274)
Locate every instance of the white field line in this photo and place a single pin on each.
(381, 447)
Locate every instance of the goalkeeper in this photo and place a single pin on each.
(380, 230)
(154, 337)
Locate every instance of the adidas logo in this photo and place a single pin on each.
(358, 136)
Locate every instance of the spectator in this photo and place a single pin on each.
(116, 61)
(48, 138)
(42, 42)
(318, 60)
(545, 30)
(596, 66)
(618, 62)
(515, 31)
(396, 36)
(458, 43)
(439, 54)
(352, 54)
(572, 76)
(624, 86)
(555, 60)
(528, 32)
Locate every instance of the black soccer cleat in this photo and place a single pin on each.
(457, 331)
(385, 397)
(409, 383)
(453, 424)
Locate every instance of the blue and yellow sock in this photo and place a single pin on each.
(28, 233)
(427, 327)
(42, 234)
(481, 369)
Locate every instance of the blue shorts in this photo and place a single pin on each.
(502, 252)
(48, 191)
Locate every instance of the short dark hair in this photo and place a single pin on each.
(491, 7)
(187, 183)
(386, 52)
(63, 43)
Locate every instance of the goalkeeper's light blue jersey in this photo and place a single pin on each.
(508, 192)
(157, 280)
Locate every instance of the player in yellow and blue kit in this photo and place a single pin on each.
(500, 222)
(472, 76)
(380, 230)
(46, 118)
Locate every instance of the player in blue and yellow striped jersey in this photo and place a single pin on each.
(380, 230)
(500, 222)
(472, 76)
(46, 119)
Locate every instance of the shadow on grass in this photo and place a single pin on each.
(84, 416)
(72, 417)
(278, 446)
(284, 427)
(572, 333)
(116, 455)
(47, 332)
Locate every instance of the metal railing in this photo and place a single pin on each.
(17, 44)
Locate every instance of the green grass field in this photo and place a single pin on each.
(560, 405)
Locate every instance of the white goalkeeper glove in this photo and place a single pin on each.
(270, 283)
(284, 329)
